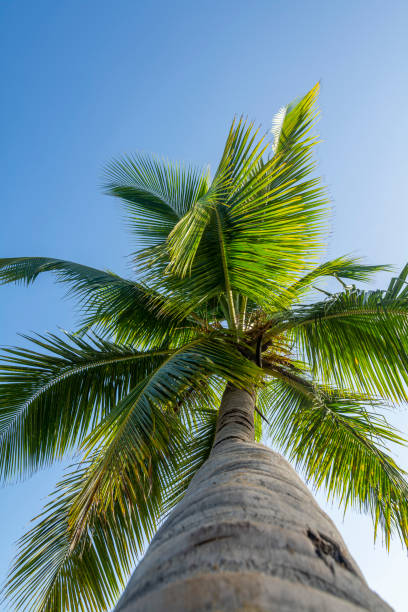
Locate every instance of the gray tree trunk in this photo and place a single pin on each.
(247, 536)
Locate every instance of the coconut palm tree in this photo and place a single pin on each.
(172, 379)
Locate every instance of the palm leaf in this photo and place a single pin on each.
(81, 551)
(109, 303)
(341, 267)
(155, 193)
(293, 119)
(261, 229)
(50, 399)
(64, 566)
(356, 339)
(339, 441)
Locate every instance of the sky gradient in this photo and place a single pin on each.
(85, 81)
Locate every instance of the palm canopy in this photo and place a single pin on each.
(226, 268)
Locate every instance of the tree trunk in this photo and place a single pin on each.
(247, 536)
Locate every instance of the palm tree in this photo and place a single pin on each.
(170, 381)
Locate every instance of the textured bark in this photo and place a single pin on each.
(247, 536)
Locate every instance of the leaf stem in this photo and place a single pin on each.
(228, 291)
(243, 311)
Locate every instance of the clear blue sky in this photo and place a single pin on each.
(84, 81)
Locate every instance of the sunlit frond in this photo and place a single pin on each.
(155, 193)
(344, 267)
(356, 339)
(81, 550)
(260, 227)
(277, 124)
(339, 440)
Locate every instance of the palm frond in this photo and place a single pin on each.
(79, 557)
(81, 551)
(63, 566)
(155, 193)
(50, 399)
(197, 245)
(107, 302)
(356, 339)
(293, 118)
(27, 269)
(339, 441)
(278, 121)
(261, 228)
(341, 267)
(276, 219)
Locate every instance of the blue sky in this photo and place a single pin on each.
(84, 81)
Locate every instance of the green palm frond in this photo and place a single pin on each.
(108, 303)
(150, 406)
(80, 553)
(293, 120)
(339, 441)
(81, 278)
(262, 227)
(70, 562)
(341, 267)
(356, 339)
(62, 565)
(267, 214)
(84, 378)
(50, 573)
(155, 193)
(195, 452)
(88, 380)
